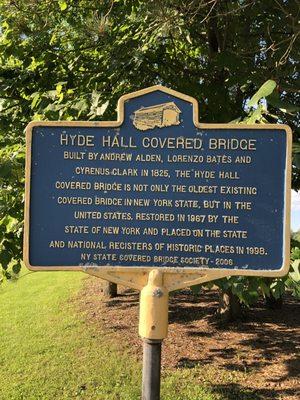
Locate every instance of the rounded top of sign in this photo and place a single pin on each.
(158, 88)
(144, 107)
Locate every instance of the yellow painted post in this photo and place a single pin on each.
(153, 328)
(154, 301)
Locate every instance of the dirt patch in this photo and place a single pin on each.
(261, 352)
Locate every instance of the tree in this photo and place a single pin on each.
(73, 59)
(109, 289)
(296, 238)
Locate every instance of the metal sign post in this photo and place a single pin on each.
(151, 369)
(157, 201)
(153, 326)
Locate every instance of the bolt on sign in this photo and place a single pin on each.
(158, 189)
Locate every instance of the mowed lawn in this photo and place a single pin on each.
(49, 351)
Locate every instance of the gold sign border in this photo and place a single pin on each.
(125, 275)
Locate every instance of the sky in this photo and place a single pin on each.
(295, 216)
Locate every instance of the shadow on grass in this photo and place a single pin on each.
(198, 307)
(123, 302)
(268, 333)
(234, 391)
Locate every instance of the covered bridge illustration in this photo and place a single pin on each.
(159, 115)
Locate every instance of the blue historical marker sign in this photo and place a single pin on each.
(158, 189)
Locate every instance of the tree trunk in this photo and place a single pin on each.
(230, 307)
(109, 289)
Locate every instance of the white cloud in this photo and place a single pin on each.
(295, 201)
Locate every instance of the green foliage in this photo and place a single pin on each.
(295, 253)
(63, 5)
(295, 239)
(293, 280)
(296, 156)
(11, 209)
(248, 289)
(69, 60)
(259, 112)
(265, 90)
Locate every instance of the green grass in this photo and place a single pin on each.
(48, 351)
